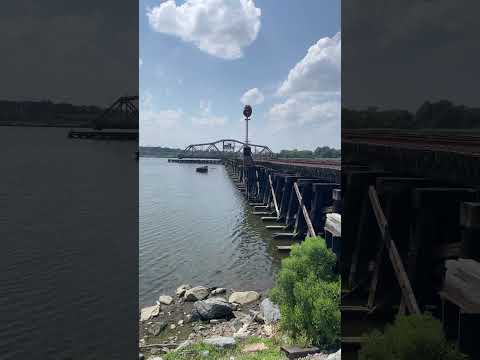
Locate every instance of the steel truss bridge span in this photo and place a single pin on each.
(225, 148)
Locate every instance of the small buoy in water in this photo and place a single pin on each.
(202, 169)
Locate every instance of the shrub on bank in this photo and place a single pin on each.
(410, 337)
(307, 291)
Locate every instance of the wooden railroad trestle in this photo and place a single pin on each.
(400, 232)
(294, 205)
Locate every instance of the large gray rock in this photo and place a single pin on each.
(149, 312)
(244, 297)
(165, 299)
(196, 293)
(270, 312)
(213, 308)
(182, 289)
(220, 341)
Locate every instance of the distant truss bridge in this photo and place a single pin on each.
(224, 148)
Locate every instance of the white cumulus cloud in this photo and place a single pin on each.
(221, 28)
(311, 90)
(306, 109)
(252, 97)
(319, 70)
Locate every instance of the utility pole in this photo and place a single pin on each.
(247, 152)
(248, 164)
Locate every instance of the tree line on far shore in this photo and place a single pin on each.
(321, 152)
(430, 115)
(318, 153)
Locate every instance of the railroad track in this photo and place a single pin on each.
(454, 141)
(324, 163)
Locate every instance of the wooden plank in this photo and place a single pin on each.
(378, 266)
(284, 247)
(294, 352)
(394, 256)
(273, 195)
(311, 230)
(376, 276)
(262, 213)
(284, 235)
(269, 218)
(258, 183)
(276, 227)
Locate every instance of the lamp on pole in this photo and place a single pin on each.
(247, 112)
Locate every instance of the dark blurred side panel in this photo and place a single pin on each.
(410, 167)
(69, 179)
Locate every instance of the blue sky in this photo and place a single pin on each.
(201, 60)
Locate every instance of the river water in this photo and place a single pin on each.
(68, 246)
(197, 228)
(73, 268)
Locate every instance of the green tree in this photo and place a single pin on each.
(307, 291)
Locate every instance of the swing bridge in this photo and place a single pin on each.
(224, 149)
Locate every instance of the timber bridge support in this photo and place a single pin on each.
(412, 205)
(293, 199)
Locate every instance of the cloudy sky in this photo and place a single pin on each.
(399, 54)
(202, 60)
(79, 52)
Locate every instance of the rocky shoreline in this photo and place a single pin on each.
(215, 316)
(198, 313)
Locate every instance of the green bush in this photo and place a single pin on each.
(307, 291)
(410, 337)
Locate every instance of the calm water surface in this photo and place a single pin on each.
(69, 248)
(197, 228)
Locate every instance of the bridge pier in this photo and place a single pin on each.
(262, 179)
(270, 191)
(287, 192)
(250, 182)
(337, 200)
